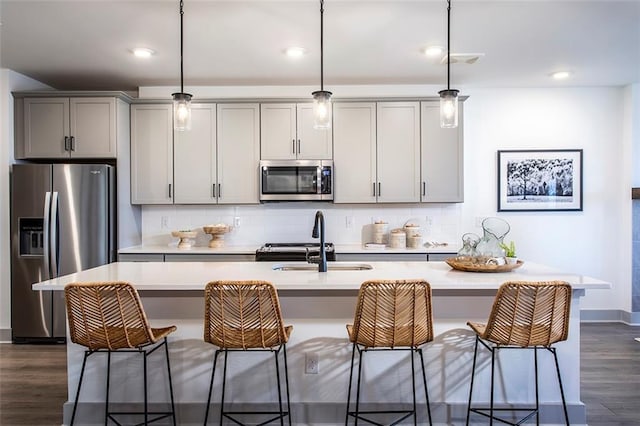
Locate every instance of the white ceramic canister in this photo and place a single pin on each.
(397, 238)
(380, 232)
(414, 240)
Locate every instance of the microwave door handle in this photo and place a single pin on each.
(45, 237)
(319, 180)
(54, 235)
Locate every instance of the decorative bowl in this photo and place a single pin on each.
(472, 265)
(217, 232)
(186, 238)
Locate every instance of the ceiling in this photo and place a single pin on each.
(85, 45)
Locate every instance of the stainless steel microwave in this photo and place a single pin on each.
(296, 180)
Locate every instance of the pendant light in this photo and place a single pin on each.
(321, 98)
(448, 97)
(181, 100)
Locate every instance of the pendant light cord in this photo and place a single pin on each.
(321, 45)
(181, 48)
(448, 43)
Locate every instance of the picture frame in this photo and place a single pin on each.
(540, 180)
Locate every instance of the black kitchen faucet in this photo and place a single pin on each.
(318, 231)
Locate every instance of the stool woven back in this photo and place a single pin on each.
(529, 314)
(243, 314)
(106, 315)
(391, 313)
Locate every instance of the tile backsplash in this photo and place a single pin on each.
(293, 222)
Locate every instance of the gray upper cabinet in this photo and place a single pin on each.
(287, 133)
(152, 154)
(216, 162)
(442, 157)
(376, 152)
(63, 127)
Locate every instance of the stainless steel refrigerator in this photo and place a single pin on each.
(62, 221)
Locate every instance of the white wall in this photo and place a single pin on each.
(595, 242)
(9, 81)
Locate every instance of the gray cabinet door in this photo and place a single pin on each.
(442, 157)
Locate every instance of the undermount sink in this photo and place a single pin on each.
(330, 267)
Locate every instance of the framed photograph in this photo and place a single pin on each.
(540, 180)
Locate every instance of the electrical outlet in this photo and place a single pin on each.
(311, 364)
(236, 222)
(348, 221)
(428, 220)
(164, 222)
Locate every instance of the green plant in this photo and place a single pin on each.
(509, 250)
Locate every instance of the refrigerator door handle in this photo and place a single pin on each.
(45, 237)
(54, 235)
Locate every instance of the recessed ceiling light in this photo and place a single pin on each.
(295, 52)
(142, 52)
(561, 75)
(434, 51)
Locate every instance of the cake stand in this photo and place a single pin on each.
(186, 238)
(217, 234)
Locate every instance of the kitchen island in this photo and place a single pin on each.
(319, 305)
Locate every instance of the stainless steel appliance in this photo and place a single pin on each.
(296, 180)
(291, 252)
(62, 221)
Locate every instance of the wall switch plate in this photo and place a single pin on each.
(236, 222)
(348, 221)
(164, 222)
(311, 363)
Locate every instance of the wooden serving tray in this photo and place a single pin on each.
(469, 266)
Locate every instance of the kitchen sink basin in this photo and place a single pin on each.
(330, 267)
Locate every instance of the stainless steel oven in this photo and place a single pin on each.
(296, 180)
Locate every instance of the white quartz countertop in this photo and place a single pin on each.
(195, 275)
(340, 248)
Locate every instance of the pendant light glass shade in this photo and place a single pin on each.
(322, 110)
(448, 108)
(448, 97)
(181, 100)
(181, 111)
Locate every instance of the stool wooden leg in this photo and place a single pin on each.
(173, 406)
(286, 379)
(473, 373)
(564, 402)
(426, 390)
(75, 404)
(213, 372)
(106, 402)
(353, 355)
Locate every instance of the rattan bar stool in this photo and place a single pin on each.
(107, 317)
(525, 315)
(390, 315)
(245, 316)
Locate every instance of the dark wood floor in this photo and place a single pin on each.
(33, 379)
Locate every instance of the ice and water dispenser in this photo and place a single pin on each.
(31, 236)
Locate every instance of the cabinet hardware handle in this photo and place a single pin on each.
(379, 190)
(73, 143)
(219, 190)
(293, 146)
(169, 190)
(424, 188)
(66, 143)
(213, 190)
(298, 146)
(374, 189)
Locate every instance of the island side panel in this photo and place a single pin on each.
(319, 320)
